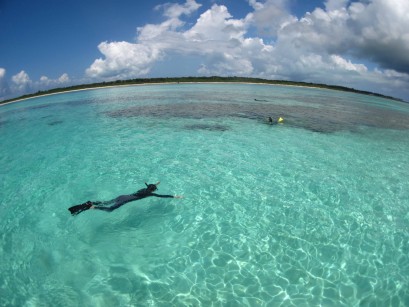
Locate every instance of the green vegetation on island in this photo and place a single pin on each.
(194, 80)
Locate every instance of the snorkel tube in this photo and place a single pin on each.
(151, 187)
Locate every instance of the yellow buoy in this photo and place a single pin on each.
(280, 120)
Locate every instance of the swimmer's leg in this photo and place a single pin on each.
(104, 203)
(90, 205)
(116, 205)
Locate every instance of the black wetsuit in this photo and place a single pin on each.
(123, 199)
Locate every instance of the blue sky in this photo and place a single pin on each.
(54, 43)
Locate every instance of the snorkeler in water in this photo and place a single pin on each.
(270, 120)
(115, 203)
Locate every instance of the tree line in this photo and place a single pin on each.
(193, 80)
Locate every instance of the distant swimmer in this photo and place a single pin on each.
(115, 203)
(280, 120)
(261, 100)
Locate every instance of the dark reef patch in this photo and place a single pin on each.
(40, 106)
(56, 122)
(207, 127)
(73, 103)
(323, 117)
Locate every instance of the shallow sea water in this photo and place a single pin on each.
(312, 212)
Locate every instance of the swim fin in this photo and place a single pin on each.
(79, 208)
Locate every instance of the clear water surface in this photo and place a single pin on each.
(312, 212)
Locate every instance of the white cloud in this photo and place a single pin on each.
(64, 78)
(323, 46)
(21, 82)
(351, 43)
(256, 5)
(381, 32)
(46, 82)
(347, 65)
(375, 30)
(271, 16)
(333, 5)
(173, 12)
(176, 10)
(215, 36)
(21, 78)
(4, 88)
(123, 60)
(216, 24)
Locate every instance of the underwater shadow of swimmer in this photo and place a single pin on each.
(152, 214)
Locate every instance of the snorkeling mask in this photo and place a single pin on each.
(151, 187)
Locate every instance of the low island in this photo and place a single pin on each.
(193, 80)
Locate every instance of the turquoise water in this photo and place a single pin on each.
(307, 213)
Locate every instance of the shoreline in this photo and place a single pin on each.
(277, 83)
(144, 84)
(62, 92)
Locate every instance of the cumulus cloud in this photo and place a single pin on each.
(271, 16)
(64, 78)
(176, 10)
(347, 64)
(4, 88)
(46, 82)
(325, 45)
(215, 36)
(21, 82)
(127, 60)
(333, 5)
(375, 30)
(123, 60)
(381, 32)
(216, 24)
(362, 44)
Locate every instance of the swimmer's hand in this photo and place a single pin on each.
(178, 196)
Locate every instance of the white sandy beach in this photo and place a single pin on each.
(156, 83)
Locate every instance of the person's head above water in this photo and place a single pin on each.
(152, 187)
